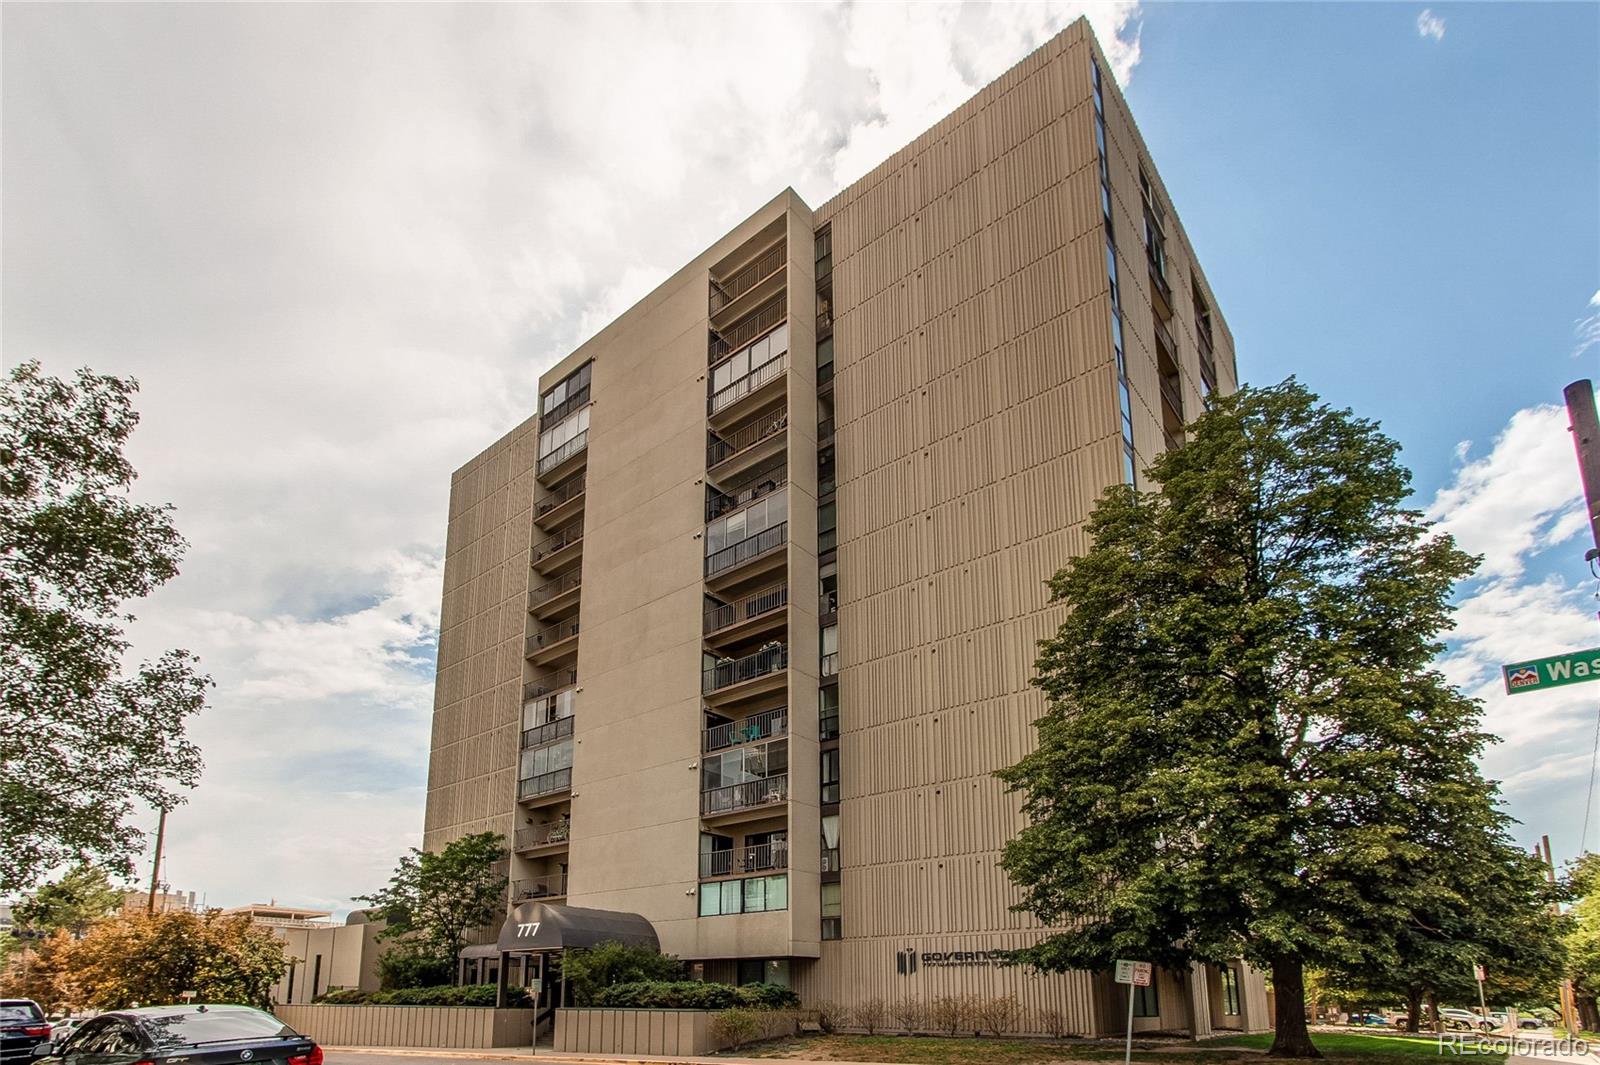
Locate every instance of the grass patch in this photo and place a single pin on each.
(1348, 1049)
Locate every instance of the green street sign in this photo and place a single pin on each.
(1571, 668)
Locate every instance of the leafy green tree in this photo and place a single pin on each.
(1245, 743)
(1583, 937)
(611, 964)
(435, 898)
(411, 964)
(80, 739)
(83, 895)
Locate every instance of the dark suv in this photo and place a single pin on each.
(22, 1027)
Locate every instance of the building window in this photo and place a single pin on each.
(830, 651)
(830, 776)
(827, 527)
(564, 398)
(768, 512)
(828, 713)
(831, 909)
(1146, 1003)
(758, 894)
(830, 843)
(551, 759)
(554, 439)
(1230, 991)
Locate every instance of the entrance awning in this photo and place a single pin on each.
(480, 950)
(536, 926)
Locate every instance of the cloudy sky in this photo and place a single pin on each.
(338, 244)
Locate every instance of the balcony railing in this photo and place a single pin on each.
(1173, 440)
(564, 537)
(745, 796)
(564, 452)
(830, 860)
(750, 327)
(564, 492)
(538, 888)
(724, 502)
(577, 399)
(762, 726)
(553, 681)
(746, 436)
(733, 671)
(768, 371)
(1165, 339)
(1169, 392)
(1163, 290)
(543, 835)
(747, 549)
(544, 784)
(549, 732)
(762, 856)
(550, 636)
(1208, 374)
(774, 597)
(554, 589)
(725, 292)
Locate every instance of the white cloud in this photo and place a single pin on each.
(1587, 328)
(1430, 25)
(337, 245)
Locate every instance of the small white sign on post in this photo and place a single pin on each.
(1477, 973)
(1134, 974)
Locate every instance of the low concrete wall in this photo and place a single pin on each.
(410, 1026)
(603, 1031)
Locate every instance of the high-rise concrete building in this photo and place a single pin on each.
(738, 626)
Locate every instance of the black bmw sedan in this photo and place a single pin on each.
(195, 1035)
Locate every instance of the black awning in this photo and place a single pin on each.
(481, 950)
(544, 926)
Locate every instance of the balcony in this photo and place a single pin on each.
(544, 887)
(824, 430)
(1165, 340)
(556, 594)
(559, 547)
(737, 862)
(768, 601)
(575, 399)
(734, 671)
(829, 793)
(553, 681)
(551, 642)
(561, 456)
(555, 834)
(1172, 440)
(750, 795)
(1171, 396)
(1160, 291)
(740, 441)
(726, 502)
(748, 328)
(763, 726)
(830, 860)
(828, 724)
(747, 550)
(748, 385)
(549, 732)
(768, 265)
(561, 501)
(828, 666)
(552, 783)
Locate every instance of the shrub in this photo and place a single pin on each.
(1053, 1021)
(828, 1015)
(768, 997)
(948, 1013)
(910, 1013)
(409, 965)
(345, 996)
(439, 995)
(870, 1013)
(735, 1027)
(997, 1015)
(606, 965)
(670, 995)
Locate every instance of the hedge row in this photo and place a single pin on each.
(694, 995)
(444, 995)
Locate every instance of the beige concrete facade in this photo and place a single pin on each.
(650, 586)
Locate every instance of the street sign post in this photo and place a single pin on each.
(1134, 974)
(1536, 674)
(1477, 973)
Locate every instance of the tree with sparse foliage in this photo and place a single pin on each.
(81, 738)
(84, 894)
(435, 898)
(1246, 750)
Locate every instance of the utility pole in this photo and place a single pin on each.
(1569, 1000)
(155, 866)
(1586, 436)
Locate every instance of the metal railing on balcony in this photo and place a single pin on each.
(1163, 290)
(543, 835)
(762, 856)
(1208, 374)
(577, 399)
(546, 683)
(727, 445)
(543, 887)
(563, 584)
(549, 732)
(1165, 338)
(724, 502)
(544, 784)
(563, 453)
(731, 671)
(748, 277)
(746, 608)
(745, 796)
(748, 548)
(749, 328)
(562, 538)
(1173, 440)
(550, 636)
(564, 492)
(1170, 393)
(768, 371)
(763, 726)
(830, 860)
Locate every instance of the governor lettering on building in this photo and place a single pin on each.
(1553, 672)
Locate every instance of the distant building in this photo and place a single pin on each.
(323, 956)
(136, 901)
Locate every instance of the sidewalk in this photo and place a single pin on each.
(546, 1054)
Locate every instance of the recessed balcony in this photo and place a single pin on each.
(749, 286)
(555, 596)
(729, 403)
(739, 861)
(1160, 291)
(549, 683)
(743, 447)
(747, 615)
(562, 503)
(1165, 342)
(549, 732)
(552, 642)
(728, 679)
(746, 328)
(559, 548)
(545, 785)
(551, 836)
(757, 553)
(748, 795)
(565, 458)
(769, 724)
(543, 887)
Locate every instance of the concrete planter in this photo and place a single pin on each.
(411, 1026)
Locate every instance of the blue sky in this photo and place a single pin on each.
(338, 269)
